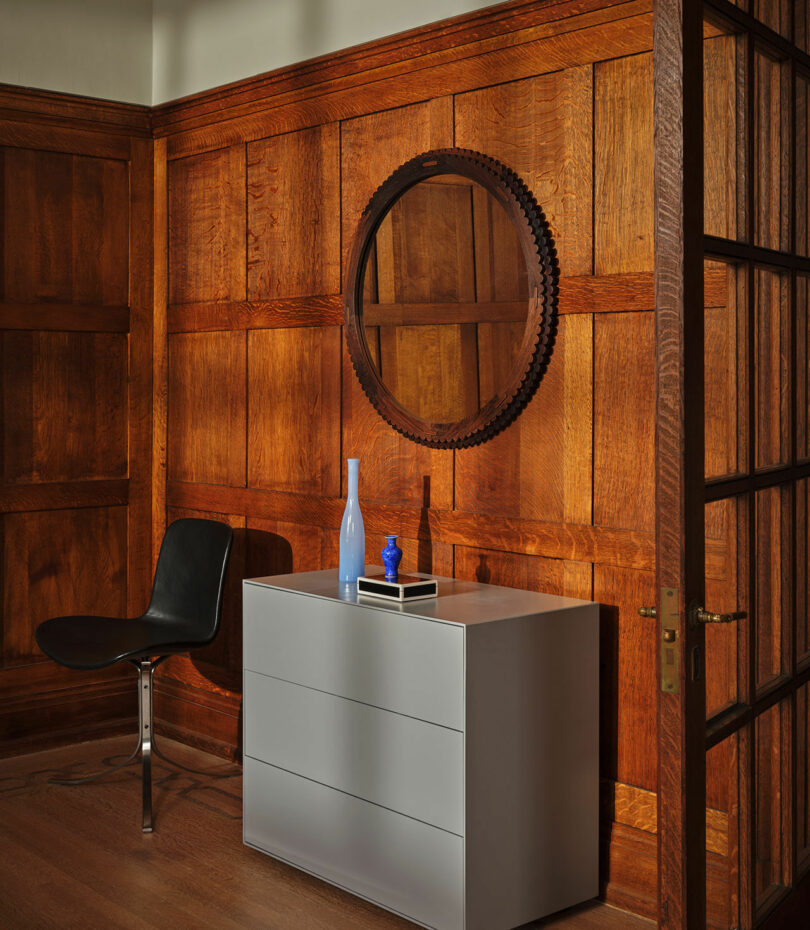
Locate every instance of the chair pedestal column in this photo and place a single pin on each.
(146, 670)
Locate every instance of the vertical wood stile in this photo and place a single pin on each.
(678, 92)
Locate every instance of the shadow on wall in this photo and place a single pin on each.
(255, 553)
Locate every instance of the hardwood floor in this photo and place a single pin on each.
(76, 857)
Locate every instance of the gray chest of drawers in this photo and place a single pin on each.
(439, 758)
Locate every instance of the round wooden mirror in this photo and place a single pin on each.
(451, 298)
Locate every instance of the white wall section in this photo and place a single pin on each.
(152, 51)
(96, 48)
(200, 44)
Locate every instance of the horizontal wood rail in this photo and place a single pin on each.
(15, 132)
(579, 543)
(63, 317)
(256, 314)
(610, 293)
(64, 495)
(638, 808)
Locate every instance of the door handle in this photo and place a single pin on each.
(702, 615)
(706, 616)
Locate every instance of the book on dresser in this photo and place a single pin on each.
(439, 758)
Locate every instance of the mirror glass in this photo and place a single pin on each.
(445, 299)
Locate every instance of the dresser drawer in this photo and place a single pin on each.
(400, 663)
(404, 865)
(407, 765)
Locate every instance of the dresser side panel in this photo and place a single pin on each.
(532, 765)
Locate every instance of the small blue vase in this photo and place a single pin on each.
(352, 533)
(391, 556)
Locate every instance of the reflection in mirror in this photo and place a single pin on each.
(445, 299)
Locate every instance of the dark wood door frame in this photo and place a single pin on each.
(678, 95)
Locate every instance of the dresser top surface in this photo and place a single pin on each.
(459, 602)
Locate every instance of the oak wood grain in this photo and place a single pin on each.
(542, 128)
(74, 562)
(624, 421)
(65, 227)
(293, 441)
(581, 543)
(63, 317)
(65, 409)
(207, 223)
(623, 165)
(293, 214)
(207, 407)
(619, 293)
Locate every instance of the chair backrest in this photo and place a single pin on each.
(190, 576)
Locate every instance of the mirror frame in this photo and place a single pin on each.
(543, 278)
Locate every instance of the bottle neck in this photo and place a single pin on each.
(353, 478)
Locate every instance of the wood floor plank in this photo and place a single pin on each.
(76, 857)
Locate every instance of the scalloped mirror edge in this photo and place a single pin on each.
(532, 355)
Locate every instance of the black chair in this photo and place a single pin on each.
(184, 613)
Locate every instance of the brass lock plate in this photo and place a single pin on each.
(670, 653)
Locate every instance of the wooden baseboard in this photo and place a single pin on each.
(201, 719)
(44, 720)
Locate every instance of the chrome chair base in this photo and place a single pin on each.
(146, 743)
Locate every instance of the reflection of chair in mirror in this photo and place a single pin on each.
(184, 613)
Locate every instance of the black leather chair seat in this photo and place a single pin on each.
(95, 642)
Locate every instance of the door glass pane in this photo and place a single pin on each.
(770, 748)
(772, 351)
(726, 587)
(802, 154)
(771, 166)
(802, 367)
(725, 369)
(722, 807)
(802, 572)
(774, 13)
(773, 569)
(723, 132)
(803, 771)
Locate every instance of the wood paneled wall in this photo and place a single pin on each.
(261, 190)
(171, 308)
(75, 399)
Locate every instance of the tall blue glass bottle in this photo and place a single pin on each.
(352, 532)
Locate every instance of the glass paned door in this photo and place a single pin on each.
(756, 80)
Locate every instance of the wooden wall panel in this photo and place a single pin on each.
(66, 224)
(60, 562)
(624, 421)
(628, 676)
(540, 467)
(207, 221)
(623, 165)
(542, 128)
(553, 576)
(294, 415)
(272, 177)
(207, 407)
(64, 415)
(75, 400)
(293, 217)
